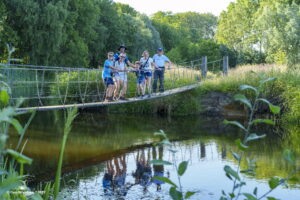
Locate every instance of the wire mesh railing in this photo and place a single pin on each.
(48, 86)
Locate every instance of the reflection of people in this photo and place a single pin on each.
(158, 169)
(114, 180)
(143, 171)
(159, 62)
(120, 176)
(108, 178)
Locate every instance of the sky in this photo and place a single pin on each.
(202, 6)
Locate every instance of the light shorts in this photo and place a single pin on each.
(121, 78)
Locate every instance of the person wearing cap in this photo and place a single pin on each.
(160, 60)
(120, 78)
(107, 76)
(122, 49)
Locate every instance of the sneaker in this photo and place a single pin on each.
(123, 99)
(108, 99)
(114, 99)
(149, 95)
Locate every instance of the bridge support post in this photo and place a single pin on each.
(225, 65)
(204, 66)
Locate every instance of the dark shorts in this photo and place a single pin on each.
(140, 79)
(148, 74)
(108, 81)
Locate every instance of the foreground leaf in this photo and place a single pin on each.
(250, 196)
(160, 162)
(243, 99)
(253, 136)
(274, 182)
(10, 183)
(182, 168)
(175, 194)
(20, 158)
(240, 145)
(274, 109)
(236, 156)
(35, 196)
(264, 121)
(164, 179)
(4, 97)
(267, 80)
(289, 156)
(231, 172)
(189, 194)
(246, 87)
(235, 123)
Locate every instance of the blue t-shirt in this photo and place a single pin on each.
(160, 60)
(106, 73)
(116, 57)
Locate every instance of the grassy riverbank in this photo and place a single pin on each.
(284, 92)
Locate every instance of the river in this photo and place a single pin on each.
(100, 145)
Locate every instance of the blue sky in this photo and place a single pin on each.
(203, 6)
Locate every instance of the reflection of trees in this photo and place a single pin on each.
(202, 150)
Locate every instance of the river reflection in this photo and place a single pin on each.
(130, 176)
(107, 156)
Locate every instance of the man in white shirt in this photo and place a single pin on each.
(159, 62)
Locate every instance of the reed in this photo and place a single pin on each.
(71, 115)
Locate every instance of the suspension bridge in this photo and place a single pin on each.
(51, 88)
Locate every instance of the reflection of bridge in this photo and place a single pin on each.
(52, 88)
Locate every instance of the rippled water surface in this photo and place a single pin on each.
(107, 156)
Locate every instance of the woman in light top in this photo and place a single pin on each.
(120, 78)
(147, 66)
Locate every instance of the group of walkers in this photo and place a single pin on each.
(118, 65)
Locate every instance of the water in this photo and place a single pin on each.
(100, 145)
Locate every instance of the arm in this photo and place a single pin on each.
(129, 64)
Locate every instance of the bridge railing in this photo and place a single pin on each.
(44, 85)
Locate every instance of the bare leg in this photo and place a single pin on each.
(124, 88)
(117, 89)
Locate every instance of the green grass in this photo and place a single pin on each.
(284, 91)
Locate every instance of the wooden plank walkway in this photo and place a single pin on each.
(96, 104)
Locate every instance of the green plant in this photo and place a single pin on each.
(71, 115)
(176, 191)
(234, 175)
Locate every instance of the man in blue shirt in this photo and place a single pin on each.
(122, 49)
(159, 60)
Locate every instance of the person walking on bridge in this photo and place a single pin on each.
(159, 73)
(121, 50)
(120, 78)
(146, 67)
(107, 77)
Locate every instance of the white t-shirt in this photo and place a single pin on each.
(121, 66)
(148, 65)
